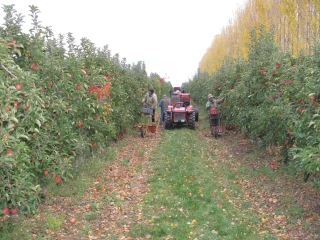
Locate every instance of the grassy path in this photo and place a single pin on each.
(177, 184)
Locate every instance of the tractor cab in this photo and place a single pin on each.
(180, 111)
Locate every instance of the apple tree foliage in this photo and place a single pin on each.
(58, 100)
(270, 95)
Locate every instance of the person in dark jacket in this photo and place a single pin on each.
(164, 103)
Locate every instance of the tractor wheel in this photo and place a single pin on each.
(215, 133)
(143, 132)
(168, 121)
(197, 114)
(191, 120)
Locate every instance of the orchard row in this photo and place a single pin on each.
(273, 97)
(59, 101)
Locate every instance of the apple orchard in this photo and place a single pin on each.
(59, 102)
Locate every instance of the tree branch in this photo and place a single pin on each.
(7, 71)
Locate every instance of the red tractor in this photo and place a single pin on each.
(180, 112)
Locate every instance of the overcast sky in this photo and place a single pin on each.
(170, 36)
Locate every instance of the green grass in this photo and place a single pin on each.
(85, 175)
(192, 194)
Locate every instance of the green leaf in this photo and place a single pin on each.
(13, 119)
(23, 136)
(38, 122)
(311, 123)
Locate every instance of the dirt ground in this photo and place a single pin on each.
(270, 197)
(113, 203)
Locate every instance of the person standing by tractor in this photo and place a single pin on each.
(213, 102)
(150, 100)
(164, 103)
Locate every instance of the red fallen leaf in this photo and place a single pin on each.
(13, 211)
(25, 107)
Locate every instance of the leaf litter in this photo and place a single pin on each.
(113, 204)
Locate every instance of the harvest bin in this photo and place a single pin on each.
(146, 110)
(152, 128)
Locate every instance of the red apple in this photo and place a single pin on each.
(107, 76)
(18, 86)
(16, 104)
(73, 220)
(45, 172)
(9, 152)
(54, 176)
(80, 124)
(78, 87)
(58, 179)
(5, 210)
